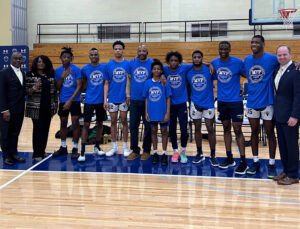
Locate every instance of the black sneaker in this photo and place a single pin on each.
(199, 157)
(227, 163)
(272, 171)
(214, 161)
(60, 151)
(254, 168)
(164, 160)
(74, 154)
(155, 159)
(241, 169)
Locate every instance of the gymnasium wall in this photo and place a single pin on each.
(5, 22)
(58, 11)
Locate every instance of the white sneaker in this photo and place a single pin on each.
(99, 151)
(126, 152)
(111, 152)
(81, 158)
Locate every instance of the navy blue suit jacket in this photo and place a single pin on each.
(287, 96)
(12, 92)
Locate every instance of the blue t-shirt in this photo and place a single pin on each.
(95, 80)
(260, 80)
(140, 72)
(228, 79)
(69, 85)
(177, 82)
(116, 74)
(202, 87)
(157, 99)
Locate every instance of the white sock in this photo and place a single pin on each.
(155, 151)
(175, 150)
(125, 145)
(114, 144)
(63, 143)
(182, 149)
(163, 152)
(255, 158)
(272, 161)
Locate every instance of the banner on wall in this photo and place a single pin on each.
(5, 54)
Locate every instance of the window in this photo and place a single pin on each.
(114, 32)
(203, 29)
(296, 29)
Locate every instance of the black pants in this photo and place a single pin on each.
(10, 134)
(288, 148)
(40, 133)
(137, 110)
(178, 111)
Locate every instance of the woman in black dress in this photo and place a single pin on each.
(41, 104)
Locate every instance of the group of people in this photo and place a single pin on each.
(158, 94)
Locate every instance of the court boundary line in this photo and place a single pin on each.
(24, 172)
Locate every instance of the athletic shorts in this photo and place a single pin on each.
(162, 124)
(265, 113)
(231, 111)
(114, 107)
(75, 109)
(197, 112)
(89, 111)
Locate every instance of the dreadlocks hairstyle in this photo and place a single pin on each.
(67, 50)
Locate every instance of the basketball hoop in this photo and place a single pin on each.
(287, 16)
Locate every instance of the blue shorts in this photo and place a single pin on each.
(162, 124)
(231, 111)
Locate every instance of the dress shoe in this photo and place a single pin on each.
(288, 181)
(16, 158)
(37, 159)
(279, 177)
(8, 161)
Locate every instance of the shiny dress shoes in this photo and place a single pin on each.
(279, 177)
(16, 158)
(8, 161)
(288, 181)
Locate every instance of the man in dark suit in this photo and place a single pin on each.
(287, 114)
(12, 103)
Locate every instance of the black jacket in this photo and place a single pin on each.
(12, 93)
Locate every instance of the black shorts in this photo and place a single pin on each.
(89, 111)
(75, 109)
(162, 124)
(231, 111)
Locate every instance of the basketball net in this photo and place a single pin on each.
(287, 16)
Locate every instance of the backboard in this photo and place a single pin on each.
(264, 12)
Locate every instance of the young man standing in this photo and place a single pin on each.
(260, 67)
(202, 105)
(117, 71)
(140, 71)
(93, 76)
(230, 103)
(68, 79)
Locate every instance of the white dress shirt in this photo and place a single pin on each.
(18, 73)
(280, 72)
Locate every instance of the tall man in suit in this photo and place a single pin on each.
(287, 114)
(12, 104)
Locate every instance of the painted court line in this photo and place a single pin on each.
(229, 191)
(24, 172)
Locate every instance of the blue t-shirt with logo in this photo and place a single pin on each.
(116, 74)
(157, 99)
(140, 72)
(177, 82)
(69, 85)
(95, 80)
(228, 78)
(202, 87)
(260, 80)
